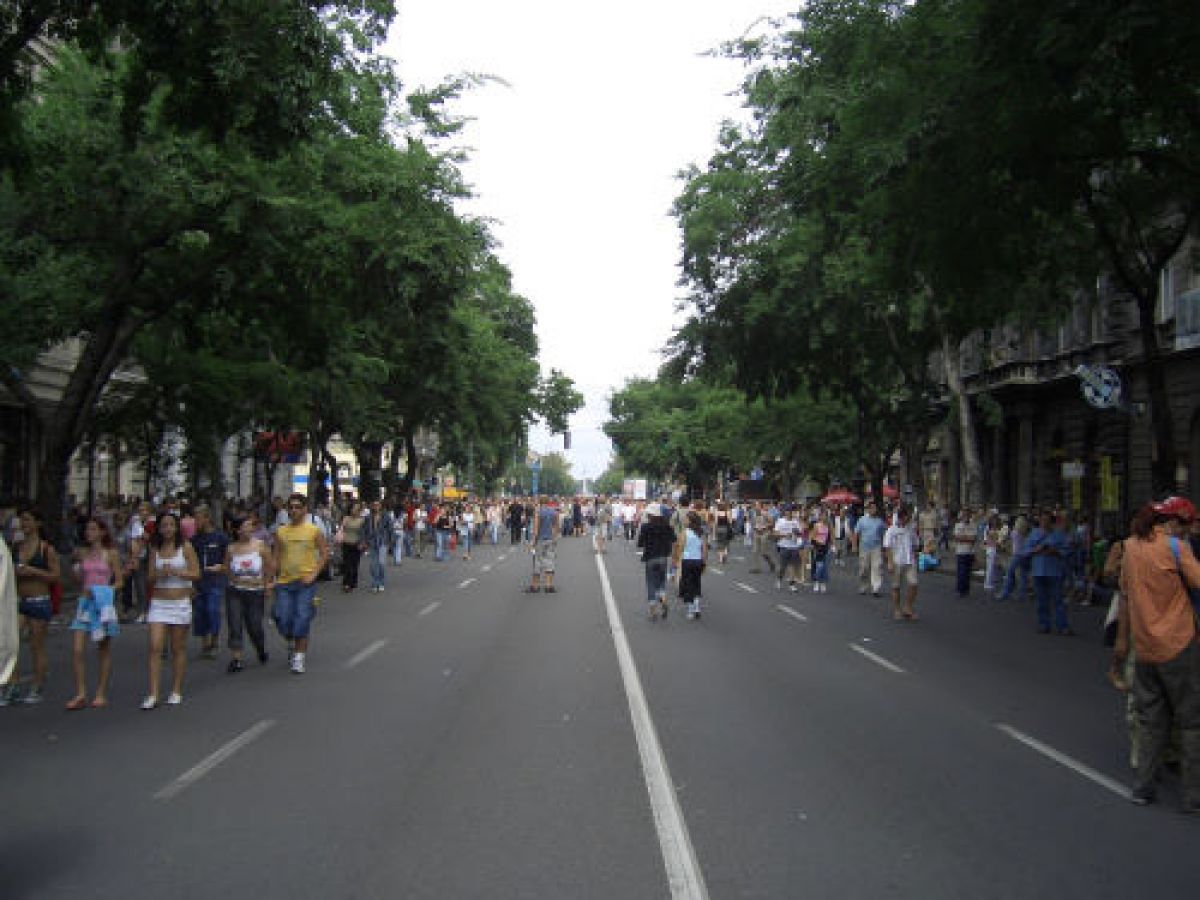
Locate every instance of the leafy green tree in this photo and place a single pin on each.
(1100, 115)
(557, 399)
(612, 480)
(556, 479)
(265, 70)
(857, 227)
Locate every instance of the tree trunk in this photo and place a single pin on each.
(334, 476)
(968, 441)
(1162, 427)
(369, 455)
(410, 453)
(63, 430)
(316, 463)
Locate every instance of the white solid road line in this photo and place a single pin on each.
(876, 658)
(467, 583)
(430, 608)
(795, 614)
(746, 587)
(502, 557)
(715, 569)
(1063, 760)
(684, 877)
(486, 568)
(210, 762)
(363, 655)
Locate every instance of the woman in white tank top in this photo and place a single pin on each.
(173, 570)
(251, 572)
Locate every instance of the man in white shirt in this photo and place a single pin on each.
(787, 542)
(900, 544)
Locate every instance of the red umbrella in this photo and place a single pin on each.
(841, 495)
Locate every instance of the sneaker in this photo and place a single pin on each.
(235, 665)
(150, 702)
(298, 664)
(10, 695)
(174, 699)
(34, 697)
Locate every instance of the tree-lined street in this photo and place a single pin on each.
(455, 737)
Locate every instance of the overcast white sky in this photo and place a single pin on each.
(576, 161)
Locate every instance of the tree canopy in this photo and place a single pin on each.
(304, 267)
(913, 172)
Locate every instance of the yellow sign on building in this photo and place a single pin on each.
(1110, 487)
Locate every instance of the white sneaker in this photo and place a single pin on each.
(174, 699)
(298, 664)
(150, 702)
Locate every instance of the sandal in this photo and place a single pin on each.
(99, 703)
(76, 704)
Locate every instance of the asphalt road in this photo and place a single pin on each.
(455, 737)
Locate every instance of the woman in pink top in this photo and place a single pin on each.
(99, 569)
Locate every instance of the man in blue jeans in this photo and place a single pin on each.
(300, 554)
(1020, 564)
(209, 544)
(1050, 549)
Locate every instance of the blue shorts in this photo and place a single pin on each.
(38, 608)
(293, 608)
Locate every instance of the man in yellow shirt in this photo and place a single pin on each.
(301, 552)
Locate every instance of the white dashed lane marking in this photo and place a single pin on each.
(795, 614)
(366, 654)
(214, 759)
(1062, 759)
(876, 658)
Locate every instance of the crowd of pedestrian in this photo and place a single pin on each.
(183, 569)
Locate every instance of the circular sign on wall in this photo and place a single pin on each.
(1101, 386)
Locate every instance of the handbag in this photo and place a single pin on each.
(1193, 593)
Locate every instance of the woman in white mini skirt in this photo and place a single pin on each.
(173, 571)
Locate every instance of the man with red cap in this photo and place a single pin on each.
(1157, 573)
